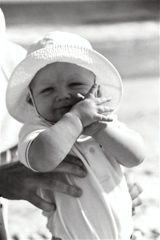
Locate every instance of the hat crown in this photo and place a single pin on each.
(57, 38)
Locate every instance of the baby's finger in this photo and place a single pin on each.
(109, 118)
(105, 109)
(79, 96)
(103, 100)
(101, 117)
(92, 91)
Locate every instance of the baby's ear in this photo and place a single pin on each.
(99, 92)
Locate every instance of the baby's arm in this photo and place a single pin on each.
(124, 144)
(51, 146)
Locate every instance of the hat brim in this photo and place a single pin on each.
(17, 91)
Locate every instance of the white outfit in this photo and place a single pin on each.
(104, 211)
(11, 55)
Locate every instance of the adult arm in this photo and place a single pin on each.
(135, 191)
(17, 182)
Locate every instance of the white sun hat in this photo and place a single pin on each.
(60, 47)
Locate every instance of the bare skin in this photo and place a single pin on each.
(20, 183)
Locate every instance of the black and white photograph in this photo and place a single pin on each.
(79, 120)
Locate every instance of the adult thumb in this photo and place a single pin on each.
(41, 203)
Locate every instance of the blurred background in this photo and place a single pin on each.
(127, 33)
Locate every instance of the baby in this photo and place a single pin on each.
(64, 92)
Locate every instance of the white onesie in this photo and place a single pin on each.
(104, 211)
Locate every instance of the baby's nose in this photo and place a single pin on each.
(62, 97)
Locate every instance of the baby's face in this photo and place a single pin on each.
(55, 87)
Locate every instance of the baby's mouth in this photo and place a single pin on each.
(66, 108)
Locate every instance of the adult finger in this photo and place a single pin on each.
(73, 160)
(11, 166)
(70, 168)
(70, 165)
(136, 202)
(135, 190)
(40, 203)
(59, 186)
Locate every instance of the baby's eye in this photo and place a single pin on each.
(48, 89)
(75, 84)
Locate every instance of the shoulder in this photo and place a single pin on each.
(34, 127)
(11, 55)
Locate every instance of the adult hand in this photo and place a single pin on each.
(135, 190)
(20, 183)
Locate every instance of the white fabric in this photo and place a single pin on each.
(104, 211)
(10, 55)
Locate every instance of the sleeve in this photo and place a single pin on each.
(122, 143)
(122, 125)
(27, 135)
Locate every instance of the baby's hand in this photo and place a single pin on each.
(94, 127)
(91, 109)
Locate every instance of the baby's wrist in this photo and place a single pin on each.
(94, 128)
(100, 128)
(74, 118)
